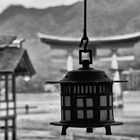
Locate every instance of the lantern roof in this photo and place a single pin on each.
(14, 59)
(86, 75)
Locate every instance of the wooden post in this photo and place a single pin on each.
(14, 99)
(6, 99)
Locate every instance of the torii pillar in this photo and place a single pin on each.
(117, 88)
(69, 60)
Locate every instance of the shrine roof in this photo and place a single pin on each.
(6, 40)
(14, 58)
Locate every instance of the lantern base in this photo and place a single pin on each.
(89, 126)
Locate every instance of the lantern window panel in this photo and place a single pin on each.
(89, 102)
(103, 115)
(69, 87)
(62, 114)
(74, 88)
(9, 135)
(3, 105)
(3, 113)
(103, 100)
(86, 90)
(90, 89)
(94, 89)
(104, 89)
(2, 98)
(11, 105)
(62, 100)
(10, 122)
(80, 114)
(110, 100)
(2, 95)
(89, 114)
(67, 115)
(82, 89)
(11, 112)
(2, 123)
(67, 101)
(111, 115)
(100, 89)
(10, 96)
(78, 89)
(2, 136)
(80, 102)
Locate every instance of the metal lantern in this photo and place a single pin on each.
(86, 94)
(86, 98)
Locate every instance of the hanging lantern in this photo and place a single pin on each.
(86, 96)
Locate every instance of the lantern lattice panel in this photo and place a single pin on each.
(7, 107)
(88, 103)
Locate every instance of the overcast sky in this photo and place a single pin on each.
(35, 3)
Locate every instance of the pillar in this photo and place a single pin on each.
(69, 61)
(117, 90)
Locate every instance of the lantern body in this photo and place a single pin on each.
(85, 98)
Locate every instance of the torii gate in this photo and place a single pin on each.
(111, 42)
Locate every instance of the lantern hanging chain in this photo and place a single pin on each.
(85, 38)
